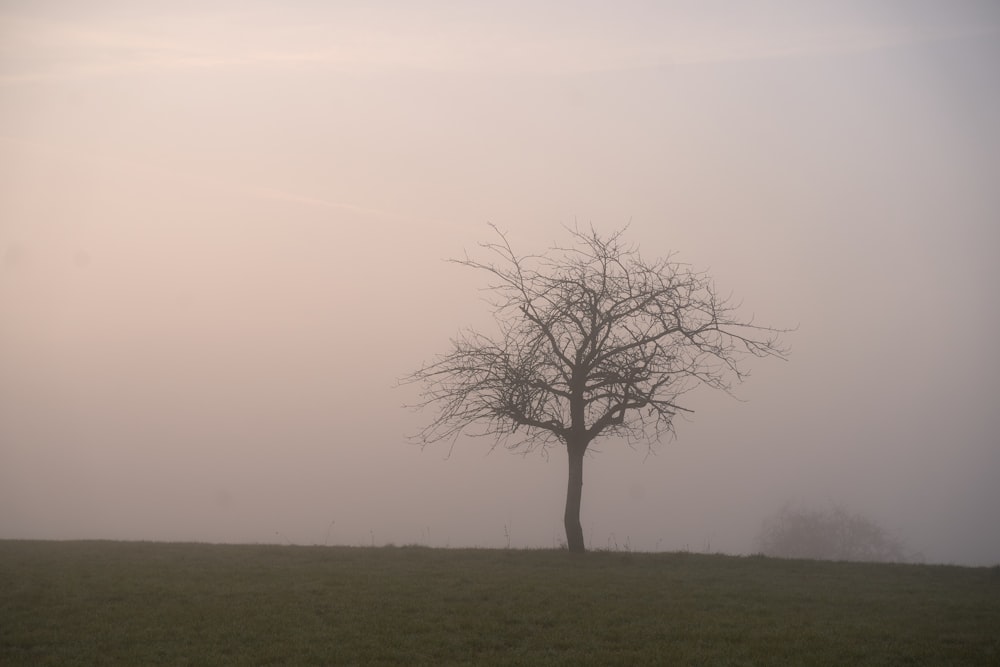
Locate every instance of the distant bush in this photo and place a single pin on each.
(834, 534)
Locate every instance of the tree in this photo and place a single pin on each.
(592, 341)
(834, 534)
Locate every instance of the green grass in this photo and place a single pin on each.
(64, 603)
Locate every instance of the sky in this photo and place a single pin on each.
(223, 228)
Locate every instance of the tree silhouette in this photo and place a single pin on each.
(592, 340)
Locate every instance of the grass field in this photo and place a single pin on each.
(65, 603)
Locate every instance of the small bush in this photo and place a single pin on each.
(834, 534)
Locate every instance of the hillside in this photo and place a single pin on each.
(162, 603)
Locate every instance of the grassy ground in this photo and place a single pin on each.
(150, 603)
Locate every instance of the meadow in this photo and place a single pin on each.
(96, 602)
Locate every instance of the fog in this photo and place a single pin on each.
(223, 226)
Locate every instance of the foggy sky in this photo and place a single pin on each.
(222, 228)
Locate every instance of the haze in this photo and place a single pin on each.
(222, 228)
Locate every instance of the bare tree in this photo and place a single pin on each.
(592, 340)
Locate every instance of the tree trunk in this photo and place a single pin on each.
(574, 491)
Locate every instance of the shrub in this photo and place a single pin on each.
(834, 534)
